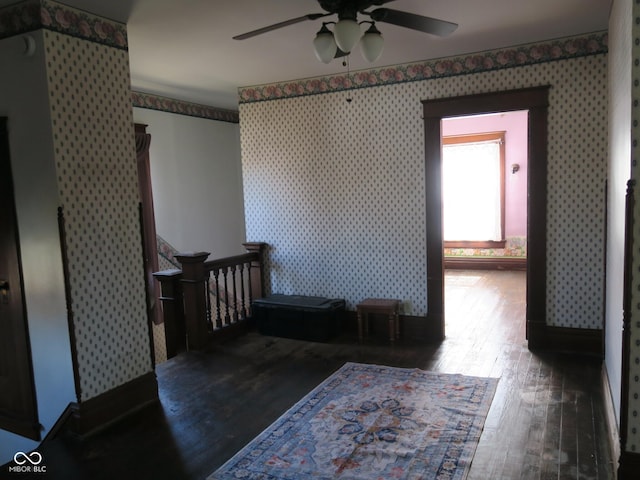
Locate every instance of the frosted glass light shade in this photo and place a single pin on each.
(347, 33)
(324, 45)
(372, 44)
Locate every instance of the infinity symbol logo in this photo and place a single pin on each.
(34, 458)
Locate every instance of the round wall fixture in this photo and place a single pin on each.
(29, 45)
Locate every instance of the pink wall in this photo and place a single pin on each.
(515, 126)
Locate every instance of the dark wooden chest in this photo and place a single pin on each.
(315, 319)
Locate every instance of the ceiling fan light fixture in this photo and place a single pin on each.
(372, 44)
(324, 45)
(347, 34)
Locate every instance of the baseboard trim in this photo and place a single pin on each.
(99, 412)
(413, 329)
(424, 330)
(563, 339)
(629, 466)
(540, 336)
(60, 423)
(485, 263)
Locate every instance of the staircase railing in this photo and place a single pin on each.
(210, 299)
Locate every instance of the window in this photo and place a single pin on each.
(473, 190)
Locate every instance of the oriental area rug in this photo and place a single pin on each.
(372, 422)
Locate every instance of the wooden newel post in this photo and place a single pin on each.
(258, 285)
(172, 310)
(194, 293)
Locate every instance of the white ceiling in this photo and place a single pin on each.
(184, 49)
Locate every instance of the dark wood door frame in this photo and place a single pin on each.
(18, 403)
(148, 230)
(535, 101)
(143, 141)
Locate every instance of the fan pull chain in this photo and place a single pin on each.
(345, 63)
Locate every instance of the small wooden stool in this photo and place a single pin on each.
(389, 307)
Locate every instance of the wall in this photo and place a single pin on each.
(98, 183)
(337, 188)
(192, 146)
(633, 440)
(514, 124)
(619, 173)
(197, 182)
(26, 104)
(72, 142)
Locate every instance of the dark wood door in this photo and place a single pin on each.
(18, 412)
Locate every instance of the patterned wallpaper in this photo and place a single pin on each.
(110, 326)
(92, 121)
(337, 188)
(633, 440)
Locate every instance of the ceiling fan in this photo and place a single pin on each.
(346, 31)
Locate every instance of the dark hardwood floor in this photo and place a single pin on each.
(546, 422)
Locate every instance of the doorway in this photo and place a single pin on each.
(535, 101)
(484, 182)
(18, 406)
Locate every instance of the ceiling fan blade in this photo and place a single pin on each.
(275, 26)
(414, 21)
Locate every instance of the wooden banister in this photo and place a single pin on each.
(194, 293)
(172, 310)
(209, 297)
(257, 281)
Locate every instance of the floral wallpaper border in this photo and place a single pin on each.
(559, 49)
(33, 15)
(170, 105)
(515, 247)
(167, 252)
